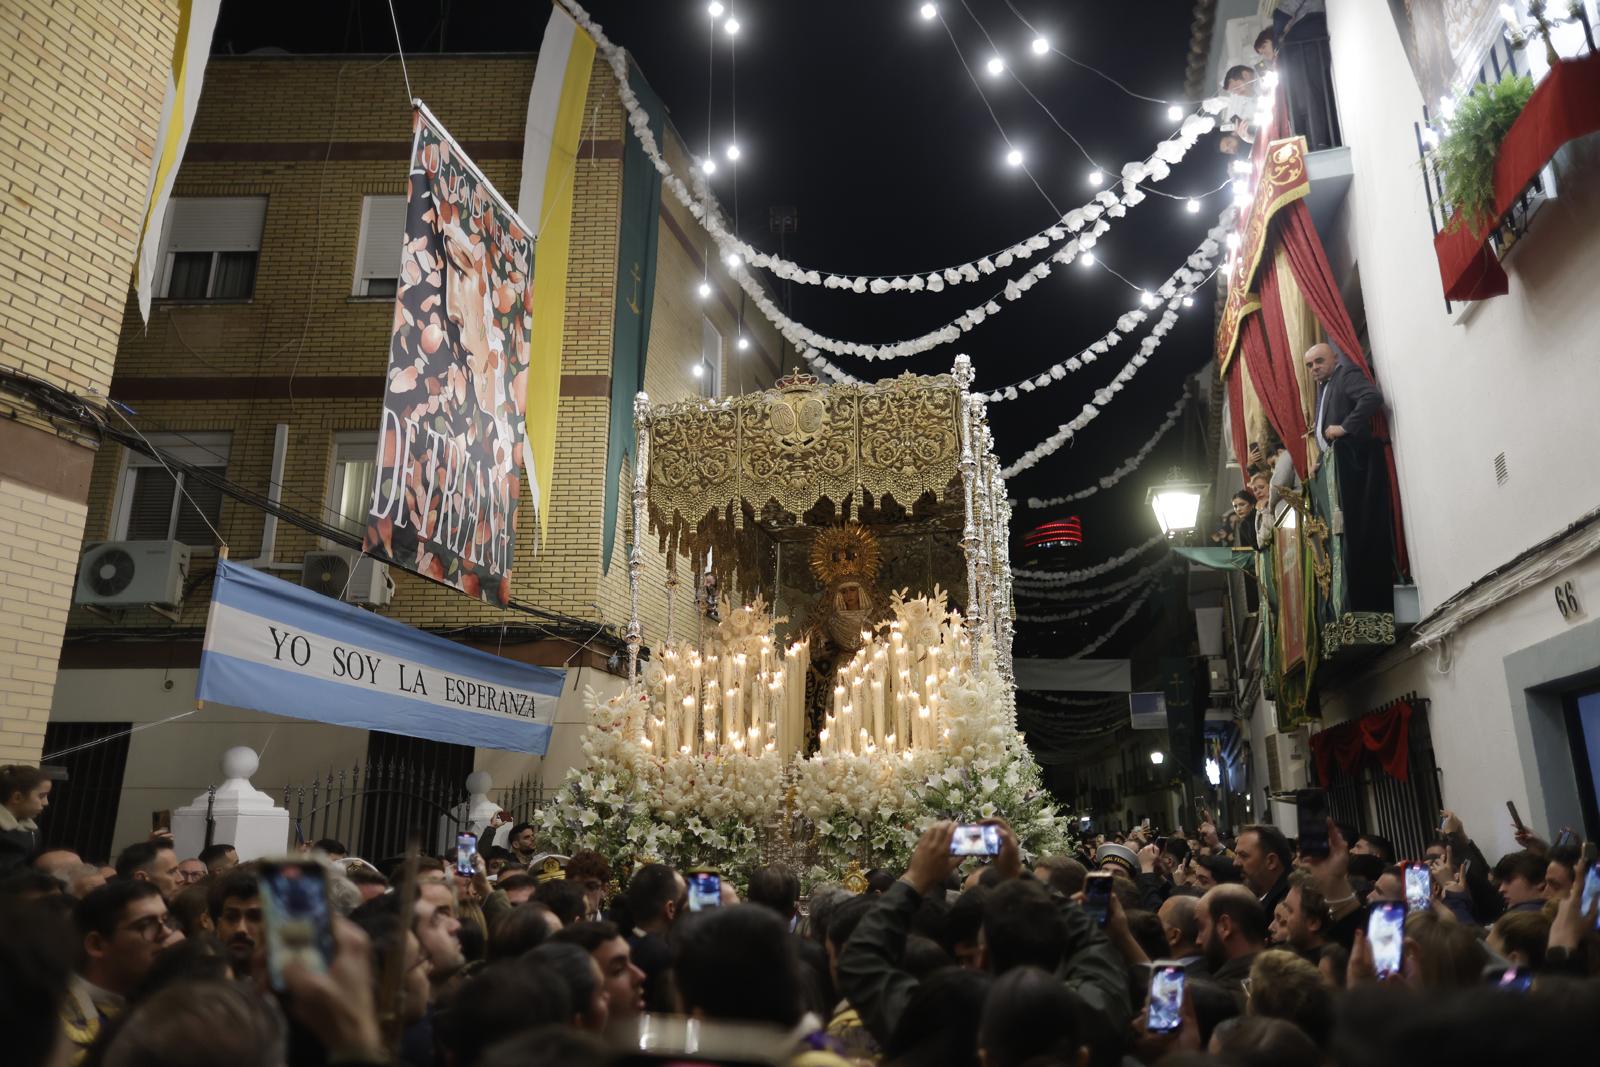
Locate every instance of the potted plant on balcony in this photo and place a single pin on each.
(1470, 147)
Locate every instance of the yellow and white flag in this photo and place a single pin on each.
(190, 49)
(549, 156)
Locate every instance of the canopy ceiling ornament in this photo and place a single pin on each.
(716, 463)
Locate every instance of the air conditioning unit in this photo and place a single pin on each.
(1221, 677)
(1287, 769)
(358, 579)
(121, 574)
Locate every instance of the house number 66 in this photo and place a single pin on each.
(1567, 601)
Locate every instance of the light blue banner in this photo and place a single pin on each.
(275, 647)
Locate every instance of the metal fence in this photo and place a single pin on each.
(375, 808)
(1373, 801)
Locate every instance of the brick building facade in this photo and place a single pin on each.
(81, 85)
(304, 142)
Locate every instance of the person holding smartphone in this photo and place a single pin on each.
(1021, 922)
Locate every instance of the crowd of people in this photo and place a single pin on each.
(1259, 955)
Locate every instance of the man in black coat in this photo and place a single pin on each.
(1346, 404)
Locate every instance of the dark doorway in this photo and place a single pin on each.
(1583, 737)
(83, 808)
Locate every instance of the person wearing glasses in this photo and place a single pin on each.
(123, 926)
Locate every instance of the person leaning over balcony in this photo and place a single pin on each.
(1347, 402)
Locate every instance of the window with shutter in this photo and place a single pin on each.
(211, 246)
(155, 504)
(355, 471)
(383, 225)
(708, 375)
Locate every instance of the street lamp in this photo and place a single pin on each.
(1158, 757)
(1176, 503)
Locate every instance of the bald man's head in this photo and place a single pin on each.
(1232, 923)
(1179, 923)
(1320, 361)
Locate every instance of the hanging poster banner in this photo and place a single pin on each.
(278, 648)
(450, 451)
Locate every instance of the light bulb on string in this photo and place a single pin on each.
(732, 260)
(743, 342)
(715, 9)
(733, 153)
(704, 290)
(1233, 241)
(1188, 301)
(1014, 157)
(1041, 46)
(1097, 177)
(1147, 298)
(1174, 113)
(1086, 259)
(996, 66)
(709, 166)
(1242, 166)
(928, 11)
(731, 26)
(698, 370)
(1270, 79)
(1192, 206)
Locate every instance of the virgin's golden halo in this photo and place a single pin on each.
(847, 551)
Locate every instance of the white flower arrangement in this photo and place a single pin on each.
(736, 811)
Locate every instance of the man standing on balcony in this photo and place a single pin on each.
(1347, 401)
(1300, 29)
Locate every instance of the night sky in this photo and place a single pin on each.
(860, 116)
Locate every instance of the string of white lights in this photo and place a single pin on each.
(1093, 592)
(1128, 467)
(1099, 605)
(1022, 575)
(737, 253)
(1050, 46)
(1102, 397)
(1071, 702)
(1127, 617)
(1182, 283)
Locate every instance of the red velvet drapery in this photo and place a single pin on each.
(1292, 429)
(1235, 383)
(1385, 733)
(1275, 386)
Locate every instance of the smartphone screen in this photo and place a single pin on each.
(295, 918)
(1386, 931)
(1419, 887)
(976, 840)
(705, 891)
(1312, 807)
(1515, 979)
(1097, 897)
(466, 848)
(1591, 891)
(1166, 997)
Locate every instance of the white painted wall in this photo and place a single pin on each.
(1520, 376)
(172, 764)
(1475, 736)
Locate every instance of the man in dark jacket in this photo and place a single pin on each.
(24, 794)
(1232, 932)
(1024, 923)
(1347, 402)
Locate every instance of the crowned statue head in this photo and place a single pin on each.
(846, 560)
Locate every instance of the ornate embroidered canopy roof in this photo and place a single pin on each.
(716, 464)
